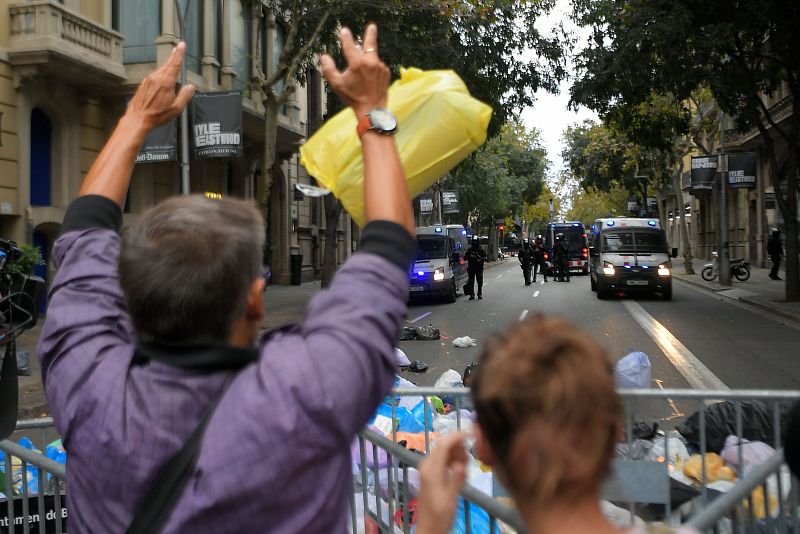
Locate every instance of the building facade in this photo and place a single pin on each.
(67, 69)
(752, 214)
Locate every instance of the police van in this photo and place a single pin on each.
(631, 255)
(577, 247)
(439, 269)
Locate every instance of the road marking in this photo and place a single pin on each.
(541, 283)
(536, 294)
(420, 317)
(693, 370)
(524, 314)
(499, 276)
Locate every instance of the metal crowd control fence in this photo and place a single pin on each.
(34, 487)
(764, 500)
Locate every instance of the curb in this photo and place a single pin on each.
(766, 307)
(744, 300)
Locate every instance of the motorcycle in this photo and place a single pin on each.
(740, 268)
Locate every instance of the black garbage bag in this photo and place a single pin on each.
(427, 333)
(407, 334)
(418, 367)
(757, 424)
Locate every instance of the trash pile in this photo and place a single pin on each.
(729, 456)
(407, 425)
(55, 451)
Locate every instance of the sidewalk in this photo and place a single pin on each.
(759, 291)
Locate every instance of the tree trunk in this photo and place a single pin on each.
(271, 106)
(333, 209)
(682, 224)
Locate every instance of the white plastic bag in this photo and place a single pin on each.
(633, 371)
(464, 342)
(754, 453)
(449, 379)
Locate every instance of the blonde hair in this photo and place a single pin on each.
(545, 400)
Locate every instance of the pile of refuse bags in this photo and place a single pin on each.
(406, 424)
(55, 451)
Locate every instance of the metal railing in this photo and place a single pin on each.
(33, 476)
(762, 498)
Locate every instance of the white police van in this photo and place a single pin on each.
(630, 255)
(439, 269)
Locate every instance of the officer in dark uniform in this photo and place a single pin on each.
(525, 257)
(539, 265)
(475, 257)
(775, 251)
(561, 259)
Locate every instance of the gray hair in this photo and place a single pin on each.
(186, 266)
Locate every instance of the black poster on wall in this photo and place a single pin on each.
(742, 170)
(704, 171)
(217, 124)
(161, 144)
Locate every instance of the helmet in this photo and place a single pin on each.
(475, 240)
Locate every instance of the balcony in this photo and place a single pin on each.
(49, 39)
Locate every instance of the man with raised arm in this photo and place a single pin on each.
(148, 333)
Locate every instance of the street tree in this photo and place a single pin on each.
(740, 51)
(588, 205)
(500, 178)
(598, 157)
(483, 40)
(676, 129)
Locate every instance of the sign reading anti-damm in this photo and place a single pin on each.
(161, 144)
(217, 124)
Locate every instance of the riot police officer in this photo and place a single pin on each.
(475, 257)
(539, 265)
(526, 261)
(561, 259)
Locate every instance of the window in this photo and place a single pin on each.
(240, 45)
(140, 24)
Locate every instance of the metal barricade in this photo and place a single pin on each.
(35, 487)
(637, 484)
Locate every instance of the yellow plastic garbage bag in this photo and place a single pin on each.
(715, 468)
(439, 124)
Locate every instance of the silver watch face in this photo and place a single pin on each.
(383, 120)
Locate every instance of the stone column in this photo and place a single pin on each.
(210, 63)
(227, 68)
(169, 31)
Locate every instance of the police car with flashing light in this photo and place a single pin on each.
(439, 269)
(630, 255)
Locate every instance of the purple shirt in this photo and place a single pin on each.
(276, 453)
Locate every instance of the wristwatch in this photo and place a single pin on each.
(379, 120)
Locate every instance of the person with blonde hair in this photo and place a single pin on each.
(548, 420)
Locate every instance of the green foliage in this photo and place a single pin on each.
(30, 257)
(502, 176)
(586, 206)
(599, 157)
(492, 44)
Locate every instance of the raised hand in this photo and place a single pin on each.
(363, 85)
(156, 101)
(442, 476)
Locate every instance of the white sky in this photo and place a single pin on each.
(550, 114)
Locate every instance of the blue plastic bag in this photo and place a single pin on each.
(633, 371)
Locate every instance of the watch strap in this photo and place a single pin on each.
(364, 125)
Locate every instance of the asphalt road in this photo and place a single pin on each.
(695, 341)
